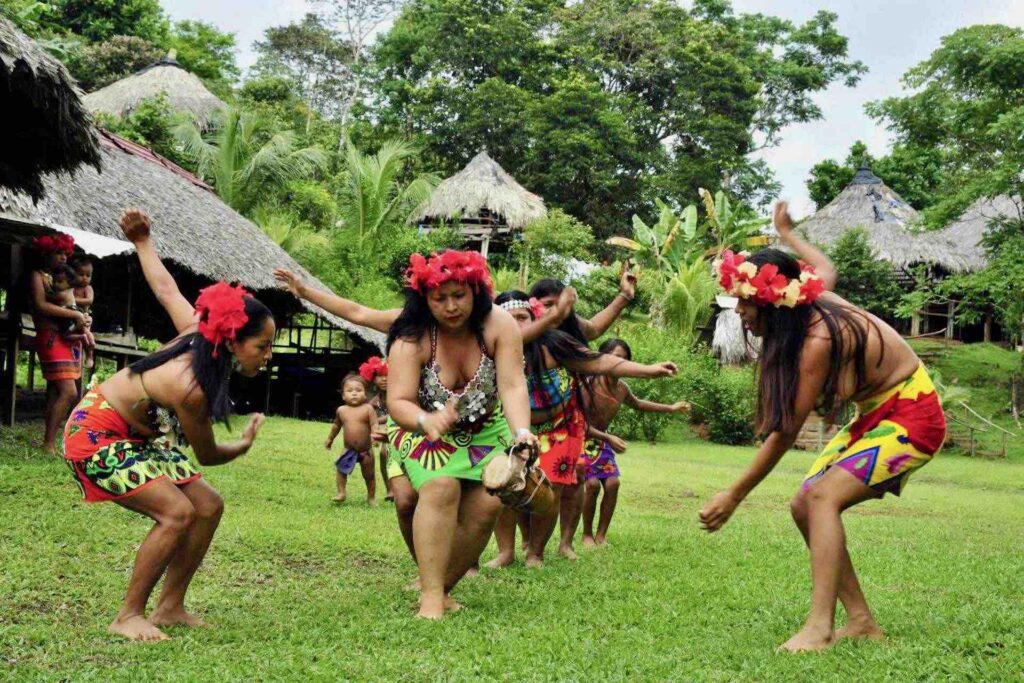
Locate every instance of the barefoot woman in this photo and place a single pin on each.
(456, 394)
(122, 441)
(821, 349)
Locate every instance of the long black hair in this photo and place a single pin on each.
(784, 331)
(562, 346)
(213, 375)
(571, 325)
(416, 317)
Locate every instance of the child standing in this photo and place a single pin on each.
(601, 471)
(358, 419)
(375, 371)
(84, 296)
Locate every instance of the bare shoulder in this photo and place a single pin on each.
(404, 348)
(816, 349)
(500, 325)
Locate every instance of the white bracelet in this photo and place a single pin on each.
(420, 420)
(523, 431)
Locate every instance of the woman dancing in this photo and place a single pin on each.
(456, 394)
(819, 348)
(601, 471)
(123, 441)
(553, 363)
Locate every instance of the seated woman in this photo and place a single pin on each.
(123, 441)
(553, 365)
(821, 350)
(456, 394)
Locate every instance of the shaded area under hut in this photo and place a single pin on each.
(484, 202)
(184, 90)
(202, 240)
(891, 227)
(46, 128)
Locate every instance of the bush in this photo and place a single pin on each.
(312, 203)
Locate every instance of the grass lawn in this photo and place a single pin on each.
(300, 589)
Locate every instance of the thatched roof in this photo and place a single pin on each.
(185, 92)
(46, 128)
(482, 184)
(869, 203)
(193, 228)
(967, 230)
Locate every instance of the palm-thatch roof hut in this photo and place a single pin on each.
(869, 203)
(484, 200)
(193, 229)
(967, 230)
(46, 128)
(184, 90)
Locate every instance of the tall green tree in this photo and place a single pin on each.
(206, 51)
(99, 20)
(245, 159)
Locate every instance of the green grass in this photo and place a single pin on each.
(302, 590)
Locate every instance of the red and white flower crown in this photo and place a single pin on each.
(373, 367)
(466, 267)
(765, 285)
(54, 244)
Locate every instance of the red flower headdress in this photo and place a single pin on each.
(533, 305)
(536, 307)
(765, 285)
(467, 267)
(221, 309)
(373, 367)
(54, 244)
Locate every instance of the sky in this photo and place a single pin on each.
(888, 36)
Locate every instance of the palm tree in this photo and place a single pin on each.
(244, 157)
(376, 200)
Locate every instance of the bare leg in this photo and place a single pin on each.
(826, 500)
(209, 507)
(60, 395)
(383, 462)
(174, 515)
(860, 623)
(611, 497)
(341, 481)
(541, 529)
(570, 508)
(369, 476)
(590, 492)
(505, 535)
(524, 530)
(478, 510)
(405, 507)
(434, 525)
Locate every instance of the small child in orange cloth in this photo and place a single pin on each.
(358, 420)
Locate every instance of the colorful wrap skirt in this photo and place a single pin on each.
(561, 444)
(59, 358)
(599, 459)
(109, 461)
(894, 433)
(460, 454)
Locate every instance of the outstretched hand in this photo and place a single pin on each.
(289, 280)
(627, 281)
(135, 225)
(663, 369)
(253, 428)
(783, 221)
(617, 443)
(681, 407)
(717, 511)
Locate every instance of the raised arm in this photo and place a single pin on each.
(599, 324)
(553, 318)
(357, 314)
(804, 249)
(651, 407)
(813, 373)
(135, 225)
(508, 357)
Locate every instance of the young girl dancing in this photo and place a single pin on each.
(601, 472)
(553, 363)
(819, 348)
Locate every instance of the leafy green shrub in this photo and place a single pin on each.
(549, 243)
(313, 203)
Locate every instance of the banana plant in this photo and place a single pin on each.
(667, 243)
(731, 227)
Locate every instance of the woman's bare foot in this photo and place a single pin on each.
(600, 540)
(471, 573)
(451, 605)
(431, 608)
(413, 585)
(861, 628)
(501, 561)
(372, 502)
(533, 561)
(175, 617)
(589, 542)
(809, 639)
(340, 498)
(568, 553)
(136, 628)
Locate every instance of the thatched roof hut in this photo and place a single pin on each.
(869, 203)
(484, 199)
(184, 90)
(967, 230)
(193, 228)
(46, 128)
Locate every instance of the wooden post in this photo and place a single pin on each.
(10, 372)
(485, 245)
(988, 327)
(915, 324)
(950, 310)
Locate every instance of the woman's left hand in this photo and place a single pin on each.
(252, 429)
(718, 510)
(663, 369)
(681, 407)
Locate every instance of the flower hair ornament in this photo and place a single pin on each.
(221, 309)
(373, 367)
(534, 306)
(54, 244)
(765, 285)
(466, 267)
